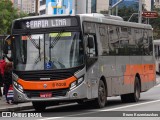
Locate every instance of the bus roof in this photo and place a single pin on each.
(99, 18)
(116, 20)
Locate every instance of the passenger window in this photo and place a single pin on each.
(113, 40)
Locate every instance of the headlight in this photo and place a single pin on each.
(76, 83)
(18, 86)
(73, 85)
(15, 83)
(80, 80)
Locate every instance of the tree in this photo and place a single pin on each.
(104, 12)
(126, 11)
(7, 14)
(155, 22)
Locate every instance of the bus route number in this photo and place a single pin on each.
(59, 84)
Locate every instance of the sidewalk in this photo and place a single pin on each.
(13, 107)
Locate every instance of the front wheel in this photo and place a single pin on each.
(39, 106)
(101, 100)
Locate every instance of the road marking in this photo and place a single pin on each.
(157, 85)
(51, 118)
(112, 109)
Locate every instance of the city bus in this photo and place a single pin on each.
(81, 58)
(157, 54)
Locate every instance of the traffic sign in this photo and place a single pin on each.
(150, 14)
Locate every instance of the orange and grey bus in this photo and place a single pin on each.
(80, 58)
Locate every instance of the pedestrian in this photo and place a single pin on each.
(7, 78)
(2, 67)
(1, 85)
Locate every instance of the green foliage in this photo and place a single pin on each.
(155, 22)
(126, 12)
(104, 12)
(7, 14)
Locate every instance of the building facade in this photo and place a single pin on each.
(27, 6)
(147, 4)
(52, 7)
(157, 3)
(102, 5)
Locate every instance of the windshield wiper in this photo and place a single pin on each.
(34, 42)
(56, 39)
(38, 46)
(53, 43)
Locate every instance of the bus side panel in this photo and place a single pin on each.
(136, 68)
(93, 80)
(108, 70)
(148, 72)
(123, 74)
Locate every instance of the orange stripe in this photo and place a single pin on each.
(39, 85)
(146, 71)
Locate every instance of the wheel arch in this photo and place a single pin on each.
(105, 83)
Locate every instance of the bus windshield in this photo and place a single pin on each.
(57, 50)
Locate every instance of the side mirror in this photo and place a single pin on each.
(90, 42)
(5, 48)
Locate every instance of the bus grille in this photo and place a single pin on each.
(34, 76)
(55, 93)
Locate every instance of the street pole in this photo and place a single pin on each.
(140, 12)
(21, 5)
(117, 9)
(36, 7)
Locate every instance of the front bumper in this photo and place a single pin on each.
(79, 90)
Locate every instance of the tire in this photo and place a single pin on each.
(137, 89)
(100, 102)
(39, 106)
(133, 97)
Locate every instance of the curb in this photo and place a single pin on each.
(14, 109)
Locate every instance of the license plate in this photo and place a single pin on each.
(45, 95)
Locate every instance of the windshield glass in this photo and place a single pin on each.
(57, 50)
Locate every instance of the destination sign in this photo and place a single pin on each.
(34, 24)
(45, 23)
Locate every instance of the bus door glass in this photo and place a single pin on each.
(91, 50)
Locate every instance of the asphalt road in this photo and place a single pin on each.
(115, 109)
